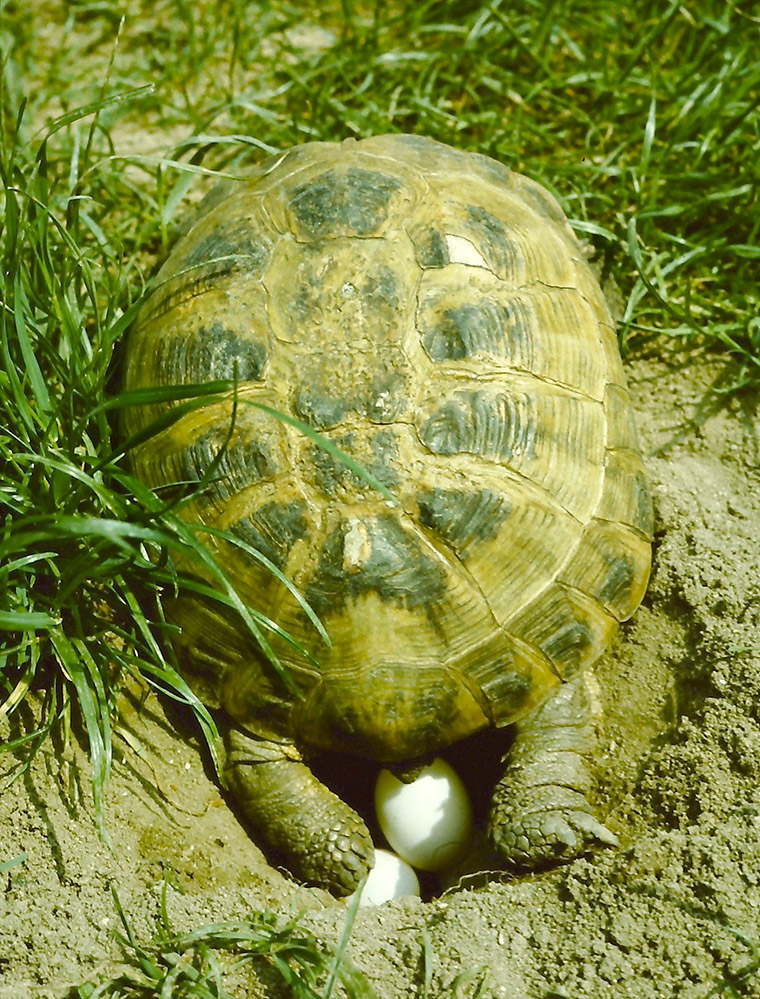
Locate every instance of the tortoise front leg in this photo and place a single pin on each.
(540, 806)
(323, 841)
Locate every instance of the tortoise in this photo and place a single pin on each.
(425, 315)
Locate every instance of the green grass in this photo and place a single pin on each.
(200, 964)
(84, 548)
(641, 117)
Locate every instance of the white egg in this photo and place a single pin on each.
(428, 822)
(391, 877)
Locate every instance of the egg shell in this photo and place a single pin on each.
(428, 822)
(391, 877)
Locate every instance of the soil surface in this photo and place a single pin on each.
(674, 912)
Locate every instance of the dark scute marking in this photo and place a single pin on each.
(214, 352)
(513, 686)
(480, 423)
(463, 518)
(468, 331)
(319, 410)
(491, 236)
(330, 473)
(355, 202)
(382, 287)
(618, 583)
(397, 570)
(385, 457)
(303, 295)
(568, 643)
(448, 431)
(273, 529)
(431, 248)
(243, 462)
(332, 476)
(382, 400)
(506, 685)
(232, 239)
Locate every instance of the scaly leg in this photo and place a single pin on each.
(540, 808)
(323, 841)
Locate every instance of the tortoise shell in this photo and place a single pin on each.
(430, 314)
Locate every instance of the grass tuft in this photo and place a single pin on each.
(199, 964)
(79, 540)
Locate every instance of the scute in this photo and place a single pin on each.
(430, 314)
(389, 561)
(354, 203)
(463, 517)
(273, 529)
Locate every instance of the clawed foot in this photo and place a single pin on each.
(541, 812)
(530, 839)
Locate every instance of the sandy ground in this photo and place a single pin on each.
(674, 912)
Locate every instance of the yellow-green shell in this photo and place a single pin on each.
(430, 313)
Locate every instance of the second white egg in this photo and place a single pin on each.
(428, 822)
(391, 877)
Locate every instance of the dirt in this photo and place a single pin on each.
(674, 912)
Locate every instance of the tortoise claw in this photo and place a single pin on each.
(541, 837)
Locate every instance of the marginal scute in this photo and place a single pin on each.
(221, 661)
(513, 677)
(625, 495)
(566, 630)
(550, 624)
(540, 199)
(422, 708)
(611, 563)
(621, 430)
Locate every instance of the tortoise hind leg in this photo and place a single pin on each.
(540, 808)
(323, 841)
